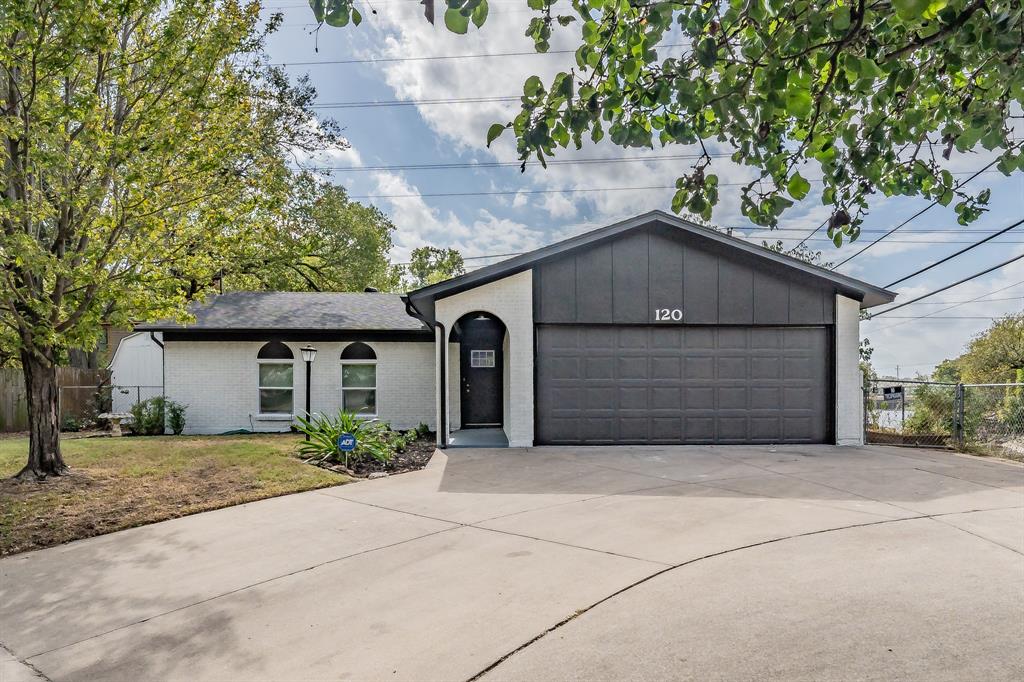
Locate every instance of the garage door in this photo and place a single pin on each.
(642, 384)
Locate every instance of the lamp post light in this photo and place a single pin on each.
(308, 356)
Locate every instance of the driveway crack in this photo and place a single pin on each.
(576, 614)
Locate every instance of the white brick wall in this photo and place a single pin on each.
(218, 382)
(510, 299)
(849, 392)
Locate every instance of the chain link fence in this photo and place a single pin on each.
(909, 412)
(982, 418)
(81, 405)
(990, 419)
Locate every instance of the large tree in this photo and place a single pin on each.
(140, 146)
(326, 242)
(870, 96)
(430, 264)
(994, 356)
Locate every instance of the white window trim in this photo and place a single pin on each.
(375, 388)
(274, 416)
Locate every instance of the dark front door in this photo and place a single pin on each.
(480, 369)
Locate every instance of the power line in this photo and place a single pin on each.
(957, 305)
(517, 164)
(426, 58)
(415, 102)
(567, 190)
(954, 255)
(973, 300)
(949, 286)
(922, 211)
(811, 234)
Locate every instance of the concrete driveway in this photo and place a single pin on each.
(557, 563)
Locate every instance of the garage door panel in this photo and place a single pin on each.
(666, 368)
(643, 384)
(699, 368)
(762, 367)
(765, 428)
(633, 368)
(600, 367)
(600, 398)
(765, 397)
(633, 398)
(732, 368)
(666, 398)
(732, 398)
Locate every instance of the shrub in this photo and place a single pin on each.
(374, 441)
(932, 410)
(150, 417)
(70, 424)
(176, 417)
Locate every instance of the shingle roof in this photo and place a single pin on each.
(288, 310)
(869, 294)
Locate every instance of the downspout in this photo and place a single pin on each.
(442, 373)
(163, 365)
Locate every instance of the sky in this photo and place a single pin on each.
(392, 57)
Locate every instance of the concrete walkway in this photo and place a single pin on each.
(557, 563)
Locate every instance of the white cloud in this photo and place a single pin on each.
(559, 206)
(918, 345)
(420, 224)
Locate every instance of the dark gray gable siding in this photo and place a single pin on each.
(624, 280)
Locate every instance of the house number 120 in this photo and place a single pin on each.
(668, 315)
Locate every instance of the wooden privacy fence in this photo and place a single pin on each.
(79, 401)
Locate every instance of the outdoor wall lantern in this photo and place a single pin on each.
(308, 356)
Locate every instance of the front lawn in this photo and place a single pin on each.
(118, 483)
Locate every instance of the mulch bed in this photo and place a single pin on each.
(413, 458)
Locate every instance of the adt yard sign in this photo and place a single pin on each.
(346, 442)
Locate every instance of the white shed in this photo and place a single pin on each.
(137, 370)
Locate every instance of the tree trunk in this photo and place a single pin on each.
(44, 458)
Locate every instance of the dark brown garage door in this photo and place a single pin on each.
(641, 384)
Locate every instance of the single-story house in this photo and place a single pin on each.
(652, 330)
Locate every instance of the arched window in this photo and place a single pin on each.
(276, 390)
(359, 380)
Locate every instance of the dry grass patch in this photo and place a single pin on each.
(118, 483)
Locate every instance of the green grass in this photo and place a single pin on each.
(119, 483)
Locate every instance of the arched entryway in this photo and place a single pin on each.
(483, 382)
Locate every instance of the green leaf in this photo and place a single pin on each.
(798, 187)
(631, 69)
(533, 86)
(357, 18)
(456, 21)
(337, 13)
(841, 18)
(908, 10)
(479, 15)
(707, 53)
(318, 9)
(494, 131)
(798, 101)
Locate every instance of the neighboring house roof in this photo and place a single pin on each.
(292, 310)
(869, 294)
